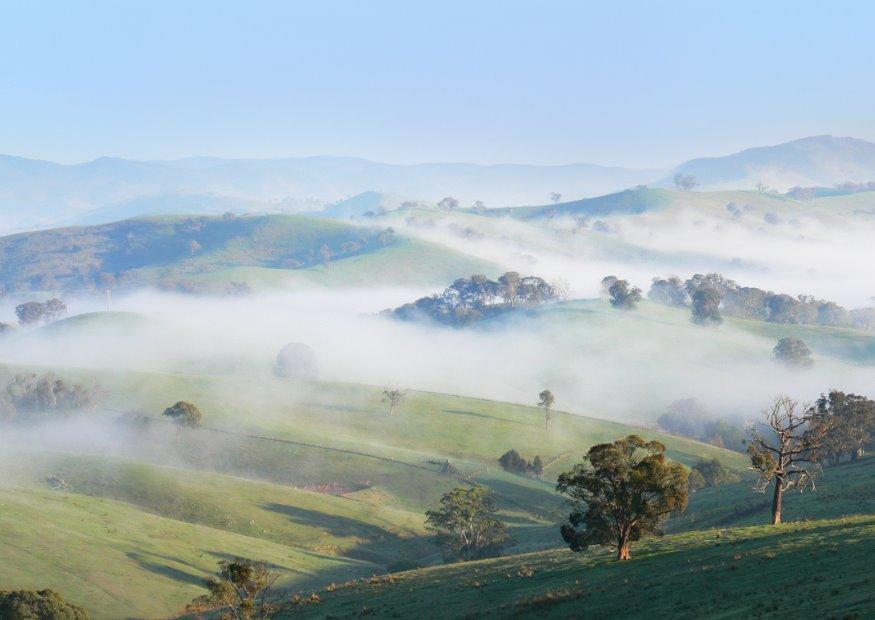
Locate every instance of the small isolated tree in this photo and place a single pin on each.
(706, 307)
(787, 455)
(392, 396)
(241, 590)
(466, 526)
(793, 352)
(621, 492)
(184, 415)
(555, 197)
(38, 604)
(448, 204)
(546, 400)
(478, 207)
(685, 182)
(623, 297)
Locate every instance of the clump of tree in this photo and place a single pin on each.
(712, 295)
(447, 204)
(241, 589)
(392, 396)
(28, 395)
(38, 605)
(621, 492)
(468, 300)
(712, 473)
(786, 456)
(516, 463)
(669, 291)
(545, 401)
(620, 294)
(184, 415)
(31, 312)
(296, 360)
(688, 417)
(849, 423)
(466, 526)
(793, 352)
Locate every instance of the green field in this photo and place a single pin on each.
(811, 569)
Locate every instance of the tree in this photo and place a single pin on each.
(545, 400)
(466, 525)
(509, 283)
(392, 396)
(668, 291)
(54, 309)
(706, 307)
(514, 462)
(787, 455)
(38, 604)
(685, 182)
(621, 492)
(622, 297)
(696, 480)
(849, 420)
(241, 589)
(296, 361)
(537, 465)
(793, 352)
(448, 204)
(479, 208)
(714, 472)
(29, 312)
(184, 415)
(555, 198)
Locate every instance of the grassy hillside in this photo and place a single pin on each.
(811, 569)
(118, 561)
(184, 252)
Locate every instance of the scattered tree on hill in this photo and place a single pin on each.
(695, 481)
(715, 473)
(392, 396)
(621, 492)
(38, 605)
(466, 525)
(706, 307)
(545, 400)
(509, 284)
(448, 204)
(786, 456)
(241, 589)
(685, 182)
(184, 415)
(555, 197)
(479, 208)
(793, 352)
(849, 421)
(621, 296)
(514, 462)
(668, 291)
(296, 361)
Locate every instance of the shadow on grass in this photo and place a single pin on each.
(170, 572)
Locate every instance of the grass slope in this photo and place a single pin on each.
(118, 561)
(813, 569)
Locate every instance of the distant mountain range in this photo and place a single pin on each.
(36, 194)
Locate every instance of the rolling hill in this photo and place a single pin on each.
(178, 252)
(813, 161)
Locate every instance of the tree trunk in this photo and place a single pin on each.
(546, 418)
(778, 500)
(623, 552)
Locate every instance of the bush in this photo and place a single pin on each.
(515, 463)
(38, 605)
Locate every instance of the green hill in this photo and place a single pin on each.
(205, 253)
(810, 569)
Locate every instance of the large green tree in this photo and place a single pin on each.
(621, 492)
(466, 526)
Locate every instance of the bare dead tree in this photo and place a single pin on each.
(789, 458)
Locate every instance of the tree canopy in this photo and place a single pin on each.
(621, 492)
(466, 526)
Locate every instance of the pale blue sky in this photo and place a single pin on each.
(622, 83)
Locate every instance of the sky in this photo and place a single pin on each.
(633, 84)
